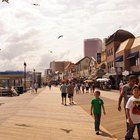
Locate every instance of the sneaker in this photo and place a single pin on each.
(132, 138)
(97, 133)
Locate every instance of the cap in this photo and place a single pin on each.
(136, 86)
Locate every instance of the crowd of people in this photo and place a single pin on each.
(68, 88)
(129, 91)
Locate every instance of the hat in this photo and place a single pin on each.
(136, 86)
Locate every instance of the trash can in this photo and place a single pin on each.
(19, 89)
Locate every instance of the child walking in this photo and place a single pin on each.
(133, 113)
(96, 105)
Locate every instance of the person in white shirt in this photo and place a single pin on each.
(133, 113)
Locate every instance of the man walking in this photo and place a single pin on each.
(70, 92)
(63, 92)
(126, 93)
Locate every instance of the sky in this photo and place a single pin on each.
(29, 33)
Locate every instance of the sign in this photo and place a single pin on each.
(98, 58)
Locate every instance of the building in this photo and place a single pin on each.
(47, 75)
(83, 67)
(15, 78)
(93, 48)
(112, 44)
(128, 57)
(58, 66)
(134, 57)
(70, 70)
(121, 61)
(92, 68)
(38, 78)
(101, 68)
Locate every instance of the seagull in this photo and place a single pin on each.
(60, 36)
(5, 1)
(35, 4)
(50, 51)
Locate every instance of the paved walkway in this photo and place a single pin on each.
(42, 117)
(113, 121)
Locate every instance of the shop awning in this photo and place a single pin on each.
(119, 58)
(133, 55)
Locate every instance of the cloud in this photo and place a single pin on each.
(28, 32)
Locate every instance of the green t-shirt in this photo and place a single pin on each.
(97, 104)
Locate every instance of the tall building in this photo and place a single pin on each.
(92, 47)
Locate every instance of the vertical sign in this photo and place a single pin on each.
(98, 58)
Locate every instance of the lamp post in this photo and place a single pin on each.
(25, 76)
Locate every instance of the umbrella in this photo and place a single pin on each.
(88, 81)
(102, 80)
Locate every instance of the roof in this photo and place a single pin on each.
(69, 65)
(12, 73)
(119, 35)
(136, 42)
(81, 60)
(124, 45)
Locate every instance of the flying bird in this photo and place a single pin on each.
(60, 36)
(35, 4)
(5, 1)
(50, 51)
(66, 130)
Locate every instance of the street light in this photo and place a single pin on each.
(25, 76)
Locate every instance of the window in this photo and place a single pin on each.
(111, 51)
(132, 62)
(137, 61)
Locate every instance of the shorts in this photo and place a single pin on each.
(63, 95)
(70, 95)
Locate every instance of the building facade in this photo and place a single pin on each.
(58, 66)
(82, 67)
(92, 47)
(112, 44)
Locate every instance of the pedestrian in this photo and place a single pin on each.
(87, 87)
(63, 89)
(121, 86)
(126, 93)
(133, 113)
(36, 87)
(32, 88)
(96, 105)
(76, 88)
(49, 85)
(70, 92)
(14, 92)
(83, 88)
(79, 87)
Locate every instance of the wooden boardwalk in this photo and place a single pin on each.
(113, 121)
(43, 117)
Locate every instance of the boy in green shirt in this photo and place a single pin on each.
(96, 105)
